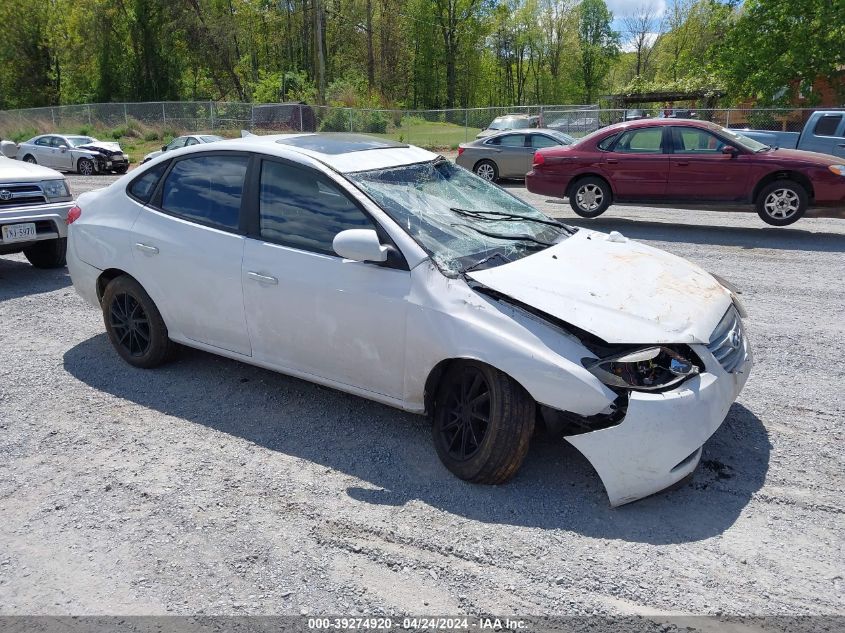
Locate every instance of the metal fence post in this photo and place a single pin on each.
(89, 115)
(466, 125)
(350, 119)
(163, 114)
(727, 118)
(301, 125)
(125, 115)
(211, 112)
(53, 115)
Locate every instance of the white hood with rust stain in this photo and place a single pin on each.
(622, 292)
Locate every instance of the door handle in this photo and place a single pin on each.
(262, 279)
(682, 163)
(146, 248)
(612, 161)
(841, 145)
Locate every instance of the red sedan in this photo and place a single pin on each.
(666, 161)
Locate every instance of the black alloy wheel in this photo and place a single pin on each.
(467, 414)
(130, 324)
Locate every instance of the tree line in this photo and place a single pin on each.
(410, 53)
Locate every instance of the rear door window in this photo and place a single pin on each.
(641, 141)
(512, 140)
(827, 125)
(206, 189)
(302, 208)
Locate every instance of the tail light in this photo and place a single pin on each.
(539, 159)
(460, 150)
(73, 214)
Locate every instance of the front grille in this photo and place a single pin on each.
(727, 343)
(20, 195)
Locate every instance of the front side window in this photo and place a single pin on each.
(206, 189)
(687, 140)
(461, 220)
(540, 140)
(641, 141)
(827, 125)
(605, 144)
(303, 209)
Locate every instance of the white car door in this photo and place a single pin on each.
(43, 150)
(309, 310)
(62, 158)
(188, 245)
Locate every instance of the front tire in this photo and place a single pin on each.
(487, 170)
(121, 170)
(134, 324)
(47, 253)
(782, 202)
(483, 422)
(590, 197)
(29, 158)
(85, 167)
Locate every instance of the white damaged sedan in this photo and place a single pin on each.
(384, 270)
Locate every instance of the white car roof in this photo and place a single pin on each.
(342, 152)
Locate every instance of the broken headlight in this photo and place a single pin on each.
(648, 369)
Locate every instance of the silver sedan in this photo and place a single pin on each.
(507, 154)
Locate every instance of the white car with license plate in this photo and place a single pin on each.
(384, 270)
(34, 203)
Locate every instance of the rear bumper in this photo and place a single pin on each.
(660, 440)
(545, 184)
(49, 219)
(83, 275)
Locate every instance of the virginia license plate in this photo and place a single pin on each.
(19, 232)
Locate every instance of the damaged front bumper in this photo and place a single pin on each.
(660, 439)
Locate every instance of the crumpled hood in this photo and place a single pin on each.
(97, 145)
(621, 291)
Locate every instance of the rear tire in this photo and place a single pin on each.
(589, 197)
(483, 423)
(48, 253)
(487, 170)
(85, 167)
(134, 324)
(782, 202)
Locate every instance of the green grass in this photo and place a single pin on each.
(432, 135)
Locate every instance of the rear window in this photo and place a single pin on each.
(143, 186)
(206, 189)
(827, 125)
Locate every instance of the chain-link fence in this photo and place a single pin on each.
(431, 128)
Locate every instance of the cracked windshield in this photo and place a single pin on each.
(464, 222)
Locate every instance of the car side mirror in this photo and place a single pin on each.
(360, 245)
(164, 148)
(63, 148)
(730, 150)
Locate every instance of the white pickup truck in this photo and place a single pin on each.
(34, 203)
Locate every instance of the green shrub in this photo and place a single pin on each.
(337, 120)
(375, 122)
(151, 136)
(23, 135)
(85, 130)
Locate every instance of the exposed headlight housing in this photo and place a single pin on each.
(55, 190)
(647, 369)
(839, 170)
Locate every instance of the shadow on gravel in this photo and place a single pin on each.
(391, 451)
(18, 279)
(788, 239)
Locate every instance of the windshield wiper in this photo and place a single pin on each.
(500, 236)
(480, 262)
(499, 215)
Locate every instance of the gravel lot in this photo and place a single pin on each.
(209, 486)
